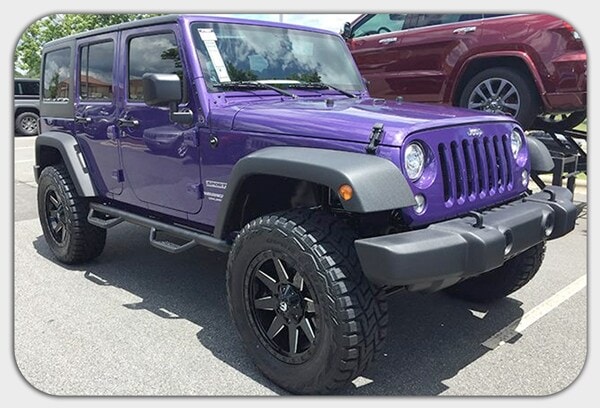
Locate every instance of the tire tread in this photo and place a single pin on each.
(360, 308)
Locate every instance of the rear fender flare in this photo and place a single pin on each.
(72, 158)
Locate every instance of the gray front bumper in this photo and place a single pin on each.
(446, 252)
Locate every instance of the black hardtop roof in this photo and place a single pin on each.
(171, 18)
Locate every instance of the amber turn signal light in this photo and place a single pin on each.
(345, 191)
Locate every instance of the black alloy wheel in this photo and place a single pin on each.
(56, 217)
(282, 308)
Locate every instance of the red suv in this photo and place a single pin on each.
(531, 66)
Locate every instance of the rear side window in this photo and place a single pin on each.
(28, 88)
(427, 20)
(96, 71)
(495, 15)
(156, 54)
(57, 75)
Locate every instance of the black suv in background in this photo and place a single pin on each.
(27, 106)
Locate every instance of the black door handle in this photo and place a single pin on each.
(83, 119)
(123, 122)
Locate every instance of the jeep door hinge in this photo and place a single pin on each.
(196, 190)
(375, 138)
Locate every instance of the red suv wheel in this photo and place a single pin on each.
(502, 90)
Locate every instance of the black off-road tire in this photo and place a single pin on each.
(503, 281)
(81, 241)
(528, 94)
(352, 312)
(27, 124)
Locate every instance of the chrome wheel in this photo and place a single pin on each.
(495, 95)
(29, 124)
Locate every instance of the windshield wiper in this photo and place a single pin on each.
(321, 85)
(253, 85)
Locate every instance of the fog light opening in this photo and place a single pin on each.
(508, 239)
(421, 202)
(549, 224)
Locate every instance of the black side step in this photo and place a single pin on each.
(194, 237)
(169, 246)
(102, 222)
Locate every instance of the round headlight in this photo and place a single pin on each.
(414, 160)
(516, 142)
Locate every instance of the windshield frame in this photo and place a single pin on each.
(210, 85)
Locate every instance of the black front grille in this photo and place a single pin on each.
(475, 168)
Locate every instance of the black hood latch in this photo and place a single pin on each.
(375, 138)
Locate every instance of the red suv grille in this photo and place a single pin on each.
(475, 168)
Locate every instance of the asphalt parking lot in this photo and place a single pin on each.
(138, 321)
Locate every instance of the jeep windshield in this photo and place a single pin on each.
(242, 57)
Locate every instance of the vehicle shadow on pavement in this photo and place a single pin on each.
(189, 286)
(430, 339)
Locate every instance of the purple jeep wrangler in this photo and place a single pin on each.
(260, 140)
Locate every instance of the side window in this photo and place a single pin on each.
(495, 15)
(379, 24)
(18, 90)
(469, 17)
(427, 20)
(30, 88)
(57, 75)
(157, 54)
(96, 71)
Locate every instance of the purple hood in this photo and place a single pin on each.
(348, 119)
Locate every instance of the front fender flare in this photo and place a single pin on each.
(377, 183)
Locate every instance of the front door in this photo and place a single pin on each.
(374, 46)
(160, 162)
(96, 110)
(432, 47)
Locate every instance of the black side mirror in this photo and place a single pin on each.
(161, 89)
(165, 90)
(347, 31)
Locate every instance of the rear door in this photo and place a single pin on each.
(160, 163)
(96, 110)
(432, 46)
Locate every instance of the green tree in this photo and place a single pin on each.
(27, 58)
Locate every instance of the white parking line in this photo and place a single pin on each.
(518, 326)
(23, 161)
(23, 148)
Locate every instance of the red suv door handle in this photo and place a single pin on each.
(388, 40)
(464, 30)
